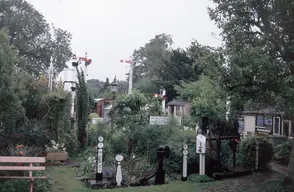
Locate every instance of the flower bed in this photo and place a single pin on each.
(57, 152)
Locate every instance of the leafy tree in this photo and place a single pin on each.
(58, 105)
(178, 67)
(207, 98)
(83, 109)
(133, 110)
(12, 114)
(33, 102)
(31, 35)
(94, 86)
(150, 58)
(102, 89)
(148, 61)
(156, 66)
(259, 40)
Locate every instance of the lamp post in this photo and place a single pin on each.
(114, 88)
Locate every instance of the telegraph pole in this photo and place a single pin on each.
(131, 64)
(86, 67)
(50, 74)
(131, 78)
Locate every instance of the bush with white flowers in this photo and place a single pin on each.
(87, 168)
(92, 161)
(55, 147)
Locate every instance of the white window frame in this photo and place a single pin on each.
(290, 130)
(274, 125)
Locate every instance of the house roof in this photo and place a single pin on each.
(98, 99)
(269, 110)
(177, 103)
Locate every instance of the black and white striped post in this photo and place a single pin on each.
(99, 174)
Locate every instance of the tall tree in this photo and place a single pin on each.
(148, 61)
(259, 40)
(12, 114)
(82, 108)
(178, 67)
(34, 39)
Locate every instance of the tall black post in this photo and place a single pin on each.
(160, 173)
(218, 146)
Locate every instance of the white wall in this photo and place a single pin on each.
(249, 124)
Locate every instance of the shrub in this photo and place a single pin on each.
(246, 152)
(94, 131)
(282, 152)
(54, 147)
(174, 162)
(195, 178)
(71, 143)
(87, 168)
(28, 151)
(12, 185)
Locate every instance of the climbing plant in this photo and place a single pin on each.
(58, 115)
(82, 107)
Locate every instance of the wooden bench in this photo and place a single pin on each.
(23, 164)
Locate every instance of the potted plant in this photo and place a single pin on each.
(57, 152)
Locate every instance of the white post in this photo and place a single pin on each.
(50, 74)
(86, 69)
(185, 153)
(200, 149)
(200, 164)
(131, 77)
(118, 178)
(73, 104)
(163, 101)
(228, 102)
(203, 163)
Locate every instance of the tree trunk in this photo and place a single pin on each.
(290, 171)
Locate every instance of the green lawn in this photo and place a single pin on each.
(63, 178)
(64, 181)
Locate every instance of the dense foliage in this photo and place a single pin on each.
(83, 109)
(32, 37)
(254, 68)
(282, 152)
(247, 151)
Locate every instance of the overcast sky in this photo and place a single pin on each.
(110, 30)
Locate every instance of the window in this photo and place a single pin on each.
(276, 130)
(259, 121)
(264, 124)
(286, 127)
(268, 123)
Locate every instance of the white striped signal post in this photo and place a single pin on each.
(185, 153)
(163, 97)
(131, 63)
(201, 148)
(99, 174)
(87, 63)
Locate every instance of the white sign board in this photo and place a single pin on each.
(200, 144)
(158, 120)
(95, 120)
(162, 120)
